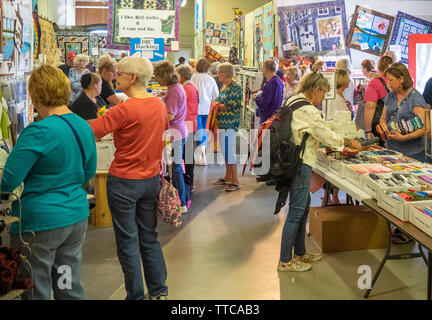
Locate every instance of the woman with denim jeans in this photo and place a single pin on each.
(133, 185)
(54, 157)
(306, 119)
(176, 104)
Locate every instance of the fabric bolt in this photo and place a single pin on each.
(192, 106)
(404, 111)
(231, 97)
(427, 93)
(333, 106)
(75, 80)
(133, 210)
(271, 98)
(294, 230)
(47, 157)
(51, 251)
(138, 125)
(208, 91)
(176, 104)
(308, 119)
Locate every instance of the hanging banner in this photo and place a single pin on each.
(147, 23)
(153, 49)
(138, 19)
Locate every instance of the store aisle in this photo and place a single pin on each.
(228, 248)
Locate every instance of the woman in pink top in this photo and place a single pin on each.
(175, 100)
(185, 74)
(133, 185)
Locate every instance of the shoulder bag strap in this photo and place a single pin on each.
(80, 145)
(384, 84)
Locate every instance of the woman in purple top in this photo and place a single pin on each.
(269, 98)
(175, 100)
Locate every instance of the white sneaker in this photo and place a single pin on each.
(183, 209)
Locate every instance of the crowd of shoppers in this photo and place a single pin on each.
(56, 156)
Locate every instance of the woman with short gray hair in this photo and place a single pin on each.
(133, 181)
(75, 74)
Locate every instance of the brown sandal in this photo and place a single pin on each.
(220, 182)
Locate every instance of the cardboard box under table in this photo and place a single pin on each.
(347, 228)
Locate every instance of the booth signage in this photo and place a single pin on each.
(153, 49)
(147, 23)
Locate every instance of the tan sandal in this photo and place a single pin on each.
(220, 182)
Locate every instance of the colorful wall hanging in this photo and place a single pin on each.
(219, 34)
(212, 54)
(420, 55)
(268, 34)
(369, 31)
(97, 41)
(115, 41)
(405, 25)
(249, 39)
(48, 42)
(314, 27)
(257, 32)
(73, 42)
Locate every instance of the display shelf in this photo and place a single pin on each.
(342, 184)
(13, 295)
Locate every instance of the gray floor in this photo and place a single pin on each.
(228, 248)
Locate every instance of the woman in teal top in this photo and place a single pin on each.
(230, 98)
(53, 166)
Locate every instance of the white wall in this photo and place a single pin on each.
(220, 11)
(61, 12)
(420, 9)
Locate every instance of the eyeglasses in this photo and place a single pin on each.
(120, 73)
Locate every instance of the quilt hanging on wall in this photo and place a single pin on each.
(369, 31)
(73, 42)
(48, 42)
(315, 27)
(148, 18)
(268, 37)
(217, 33)
(405, 25)
(248, 42)
(258, 45)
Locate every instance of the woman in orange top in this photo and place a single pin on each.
(185, 74)
(133, 180)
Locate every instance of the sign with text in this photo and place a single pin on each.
(147, 23)
(331, 78)
(153, 49)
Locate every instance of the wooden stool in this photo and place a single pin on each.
(100, 216)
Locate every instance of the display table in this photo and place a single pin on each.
(100, 216)
(422, 239)
(342, 184)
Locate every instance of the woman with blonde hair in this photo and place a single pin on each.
(193, 64)
(348, 93)
(306, 120)
(292, 78)
(133, 181)
(107, 70)
(54, 157)
(75, 74)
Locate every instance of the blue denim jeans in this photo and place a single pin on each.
(133, 209)
(294, 230)
(177, 170)
(50, 250)
(201, 126)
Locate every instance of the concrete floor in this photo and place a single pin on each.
(228, 248)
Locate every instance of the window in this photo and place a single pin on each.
(338, 9)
